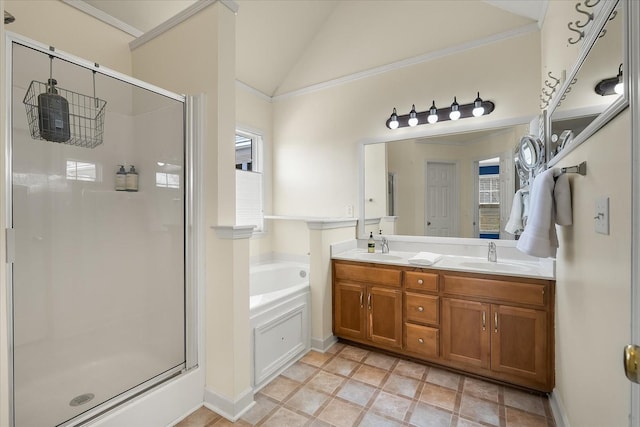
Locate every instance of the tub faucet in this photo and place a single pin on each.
(385, 245)
(492, 254)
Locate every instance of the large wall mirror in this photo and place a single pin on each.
(458, 185)
(592, 95)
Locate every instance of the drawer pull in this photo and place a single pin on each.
(369, 301)
(484, 321)
(361, 304)
(420, 281)
(421, 309)
(495, 321)
(420, 340)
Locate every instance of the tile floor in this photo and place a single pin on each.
(349, 386)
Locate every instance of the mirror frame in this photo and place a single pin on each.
(422, 133)
(618, 105)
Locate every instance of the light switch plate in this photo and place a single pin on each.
(601, 216)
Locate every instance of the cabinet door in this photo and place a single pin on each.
(465, 332)
(349, 320)
(385, 316)
(519, 342)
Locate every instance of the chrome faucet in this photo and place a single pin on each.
(492, 255)
(385, 245)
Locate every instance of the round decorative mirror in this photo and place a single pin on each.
(531, 153)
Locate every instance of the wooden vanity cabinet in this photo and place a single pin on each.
(367, 304)
(495, 326)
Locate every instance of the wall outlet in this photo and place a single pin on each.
(348, 210)
(601, 217)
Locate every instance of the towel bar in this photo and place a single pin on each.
(580, 169)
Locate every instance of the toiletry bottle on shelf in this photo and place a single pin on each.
(371, 245)
(132, 179)
(121, 179)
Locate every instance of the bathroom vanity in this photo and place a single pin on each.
(496, 325)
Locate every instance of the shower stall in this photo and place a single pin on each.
(100, 300)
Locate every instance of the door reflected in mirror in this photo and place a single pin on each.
(433, 186)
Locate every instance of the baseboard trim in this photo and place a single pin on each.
(322, 345)
(232, 410)
(557, 408)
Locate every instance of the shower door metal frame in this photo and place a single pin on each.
(193, 269)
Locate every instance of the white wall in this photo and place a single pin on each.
(317, 134)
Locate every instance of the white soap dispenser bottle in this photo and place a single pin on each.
(132, 179)
(121, 179)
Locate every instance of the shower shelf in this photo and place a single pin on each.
(86, 115)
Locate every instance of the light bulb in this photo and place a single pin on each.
(455, 110)
(619, 88)
(478, 109)
(413, 117)
(393, 120)
(433, 113)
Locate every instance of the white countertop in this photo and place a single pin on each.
(541, 269)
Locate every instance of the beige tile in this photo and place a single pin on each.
(391, 405)
(316, 359)
(353, 353)
(340, 414)
(381, 361)
(370, 375)
(467, 423)
(199, 418)
(336, 348)
(226, 423)
(374, 420)
(284, 417)
(443, 378)
(356, 392)
(410, 369)
(525, 401)
(325, 382)
(341, 366)
(517, 418)
(481, 389)
(403, 386)
(260, 410)
(307, 400)
(280, 388)
(439, 396)
(430, 416)
(300, 372)
(480, 410)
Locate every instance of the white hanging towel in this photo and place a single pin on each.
(562, 199)
(515, 224)
(539, 237)
(424, 258)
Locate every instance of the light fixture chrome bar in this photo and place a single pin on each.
(466, 110)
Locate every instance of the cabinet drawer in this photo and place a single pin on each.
(421, 308)
(367, 274)
(419, 281)
(422, 340)
(500, 290)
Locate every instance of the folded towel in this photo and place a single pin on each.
(562, 199)
(515, 225)
(539, 237)
(424, 258)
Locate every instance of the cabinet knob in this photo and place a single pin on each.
(420, 340)
(421, 309)
(420, 281)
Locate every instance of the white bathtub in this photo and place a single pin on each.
(280, 320)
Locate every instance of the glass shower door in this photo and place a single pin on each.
(98, 279)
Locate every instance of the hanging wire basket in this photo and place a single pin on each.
(85, 127)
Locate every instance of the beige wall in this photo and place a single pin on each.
(593, 284)
(317, 134)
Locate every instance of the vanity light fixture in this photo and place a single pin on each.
(611, 86)
(413, 116)
(433, 115)
(478, 109)
(393, 120)
(455, 110)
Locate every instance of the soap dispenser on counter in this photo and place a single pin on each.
(371, 244)
(121, 179)
(132, 179)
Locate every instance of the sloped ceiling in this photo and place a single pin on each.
(285, 45)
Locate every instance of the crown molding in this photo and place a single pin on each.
(104, 17)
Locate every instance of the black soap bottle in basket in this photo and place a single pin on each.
(53, 114)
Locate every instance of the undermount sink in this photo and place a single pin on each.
(379, 256)
(497, 266)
